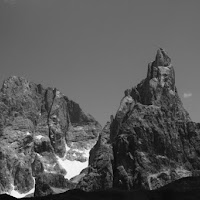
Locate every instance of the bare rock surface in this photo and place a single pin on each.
(38, 128)
(151, 141)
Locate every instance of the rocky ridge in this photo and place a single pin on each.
(38, 128)
(151, 141)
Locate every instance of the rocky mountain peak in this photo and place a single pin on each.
(13, 84)
(14, 80)
(43, 134)
(157, 89)
(161, 72)
(151, 141)
(162, 59)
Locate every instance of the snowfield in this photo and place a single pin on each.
(73, 168)
(18, 195)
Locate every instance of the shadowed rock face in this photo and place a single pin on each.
(36, 125)
(151, 141)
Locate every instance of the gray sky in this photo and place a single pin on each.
(92, 50)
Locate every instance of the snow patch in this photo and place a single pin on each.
(28, 133)
(39, 137)
(66, 147)
(18, 195)
(78, 128)
(74, 167)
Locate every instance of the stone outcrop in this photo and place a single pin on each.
(100, 171)
(38, 127)
(151, 141)
(51, 183)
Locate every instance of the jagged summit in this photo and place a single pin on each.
(13, 82)
(162, 59)
(151, 141)
(157, 89)
(161, 72)
(160, 81)
(44, 138)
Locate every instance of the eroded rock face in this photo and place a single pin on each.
(39, 127)
(152, 140)
(100, 171)
(51, 183)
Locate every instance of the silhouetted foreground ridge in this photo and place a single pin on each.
(183, 189)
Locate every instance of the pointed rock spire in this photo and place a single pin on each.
(159, 86)
(161, 72)
(162, 59)
(150, 139)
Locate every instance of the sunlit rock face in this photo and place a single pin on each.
(39, 130)
(151, 141)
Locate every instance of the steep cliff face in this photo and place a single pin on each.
(100, 171)
(41, 133)
(152, 140)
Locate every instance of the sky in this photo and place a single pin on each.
(92, 50)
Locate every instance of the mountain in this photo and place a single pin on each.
(49, 145)
(45, 139)
(151, 141)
